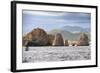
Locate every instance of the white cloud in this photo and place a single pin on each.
(44, 13)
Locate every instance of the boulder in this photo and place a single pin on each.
(40, 36)
(58, 40)
(37, 37)
(66, 43)
(83, 40)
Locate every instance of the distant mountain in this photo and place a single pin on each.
(75, 29)
(68, 35)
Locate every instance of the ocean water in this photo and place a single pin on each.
(48, 54)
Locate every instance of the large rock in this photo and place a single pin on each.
(50, 39)
(37, 37)
(58, 40)
(27, 38)
(66, 43)
(83, 40)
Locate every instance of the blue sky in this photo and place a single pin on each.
(49, 20)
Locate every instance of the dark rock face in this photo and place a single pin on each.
(66, 43)
(50, 39)
(58, 40)
(83, 40)
(37, 37)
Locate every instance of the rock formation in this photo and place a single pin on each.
(50, 39)
(58, 40)
(27, 38)
(66, 43)
(83, 40)
(37, 37)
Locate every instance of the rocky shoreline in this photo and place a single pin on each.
(39, 37)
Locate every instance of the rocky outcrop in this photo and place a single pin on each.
(83, 40)
(58, 40)
(50, 39)
(37, 37)
(66, 43)
(40, 37)
(27, 38)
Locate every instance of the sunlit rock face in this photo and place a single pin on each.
(27, 38)
(83, 40)
(66, 43)
(58, 40)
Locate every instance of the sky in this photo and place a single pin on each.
(49, 20)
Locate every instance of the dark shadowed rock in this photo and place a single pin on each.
(50, 39)
(83, 40)
(58, 40)
(73, 44)
(66, 42)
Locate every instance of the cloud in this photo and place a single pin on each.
(43, 13)
(50, 20)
